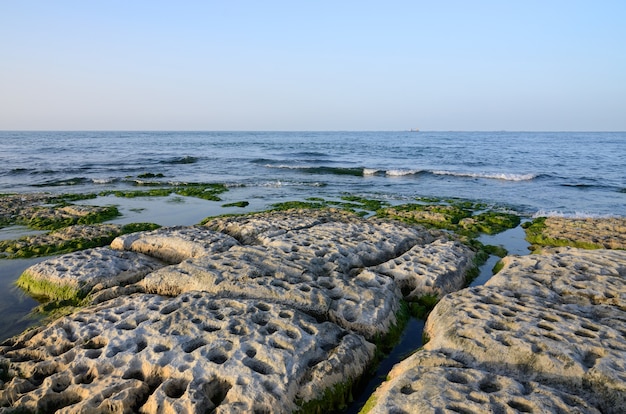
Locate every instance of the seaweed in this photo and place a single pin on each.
(241, 204)
(42, 221)
(535, 235)
(26, 247)
(463, 217)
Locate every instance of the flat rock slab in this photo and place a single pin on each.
(555, 319)
(435, 269)
(78, 234)
(189, 354)
(431, 383)
(569, 275)
(247, 228)
(87, 271)
(365, 302)
(609, 233)
(175, 244)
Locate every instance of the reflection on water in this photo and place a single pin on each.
(15, 305)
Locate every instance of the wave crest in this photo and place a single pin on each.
(495, 176)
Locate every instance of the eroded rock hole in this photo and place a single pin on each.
(175, 388)
(216, 391)
(489, 386)
(193, 345)
(456, 377)
(258, 366)
(169, 308)
(520, 406)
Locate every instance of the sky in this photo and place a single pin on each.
(313, 65)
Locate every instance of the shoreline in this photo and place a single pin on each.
(413, 216)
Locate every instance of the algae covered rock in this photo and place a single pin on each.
(590, 233)
(75, 275)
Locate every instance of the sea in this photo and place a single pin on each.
(574, 174)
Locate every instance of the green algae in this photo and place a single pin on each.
(26, 247)
(351, 203)
(44, 222)
(460, 216)
(41, 289)
(535, 235)
(334, 399)
(205, 191)
(240, 204)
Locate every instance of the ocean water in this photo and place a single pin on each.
(554, 173)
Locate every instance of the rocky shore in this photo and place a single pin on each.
(287, 311)
(273, 312)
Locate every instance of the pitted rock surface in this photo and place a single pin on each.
(556, 319)
(92, 270)
(297, 295)
(175, 244)
(437, 268)
(575, 275)
(609, 233)
(365, 302)
(247, 228)
(430, 383)
(192, 353)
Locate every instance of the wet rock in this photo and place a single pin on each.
(192, 353)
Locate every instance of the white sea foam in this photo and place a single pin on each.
(574, 215)
(103, 180)
(496, 176)
(370, 171)
(400, 173)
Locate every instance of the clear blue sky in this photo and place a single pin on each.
(314, 65)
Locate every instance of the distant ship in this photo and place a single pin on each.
(414, 130)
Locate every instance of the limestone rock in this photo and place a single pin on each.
(349, 245)
(428, 383)
(189, 354)
(365, 302)
(569, 274)
(65, 238)
(553, 322)
(86, 271)
(436, 269)
(610, 233)
(247, 228)
(175, 244)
